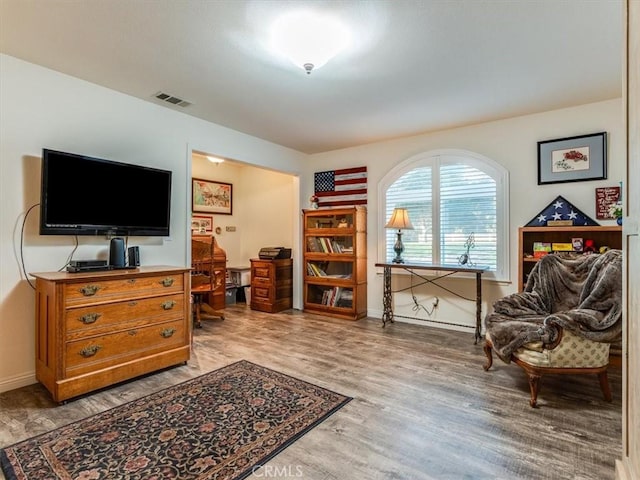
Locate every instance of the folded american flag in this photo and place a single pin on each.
(560, 209)
(344, 187)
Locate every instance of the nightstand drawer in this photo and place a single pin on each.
(258, 292)
(261, 272)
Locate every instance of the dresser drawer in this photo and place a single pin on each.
(90, 354)
(260, 292)
(104, 318)
(108, 290)
(265, 282)
(261, 271)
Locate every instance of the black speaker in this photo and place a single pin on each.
(116, 252)
(134, 256)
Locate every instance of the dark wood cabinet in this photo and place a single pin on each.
(271, 285)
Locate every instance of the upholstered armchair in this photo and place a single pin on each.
(564, 320)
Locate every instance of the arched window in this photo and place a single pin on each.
(452, 197)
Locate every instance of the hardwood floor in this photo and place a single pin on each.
(423, 407)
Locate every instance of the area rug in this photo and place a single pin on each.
(222, 425)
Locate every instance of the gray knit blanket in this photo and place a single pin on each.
(581, 293)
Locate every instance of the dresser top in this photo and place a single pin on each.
(123, 273)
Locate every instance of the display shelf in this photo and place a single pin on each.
(602, 236)
(335, 262)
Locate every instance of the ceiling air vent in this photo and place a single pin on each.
(165, 97)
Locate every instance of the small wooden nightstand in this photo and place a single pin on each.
(271, 285)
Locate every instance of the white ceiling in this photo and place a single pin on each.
(416, 66)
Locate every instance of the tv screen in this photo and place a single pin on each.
(81, 195)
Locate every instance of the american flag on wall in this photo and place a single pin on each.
(336, 188)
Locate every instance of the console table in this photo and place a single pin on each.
(387, 297)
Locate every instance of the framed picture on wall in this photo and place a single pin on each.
(204, 223)
(209, 196)
(573, 159)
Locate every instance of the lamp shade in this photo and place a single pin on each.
(399, 220)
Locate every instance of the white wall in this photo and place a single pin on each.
(512, 143)
(42, 108)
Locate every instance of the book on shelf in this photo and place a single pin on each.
(337, 297)
(314, 270)
(312, 244)
(325, 244)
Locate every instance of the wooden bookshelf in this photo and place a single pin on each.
(609, 236)
(335, 262)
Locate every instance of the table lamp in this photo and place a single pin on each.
(400, 221)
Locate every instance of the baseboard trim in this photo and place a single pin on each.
(17, 381)
(445, 325)
(623, 470)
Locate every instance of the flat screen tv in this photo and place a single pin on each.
(81, 195)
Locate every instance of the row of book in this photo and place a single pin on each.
(337, 297)
(326, 245)
(314, 270)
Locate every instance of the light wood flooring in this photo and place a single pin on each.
(423, 407)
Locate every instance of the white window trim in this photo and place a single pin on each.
(491, 167)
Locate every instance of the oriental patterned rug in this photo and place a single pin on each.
(221, 425)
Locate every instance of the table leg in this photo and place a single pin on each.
(478, 335)
(387, 298)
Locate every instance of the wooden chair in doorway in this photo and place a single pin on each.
(206, 278)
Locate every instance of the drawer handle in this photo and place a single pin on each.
(90, 318)
(167, 332)
(90, 351)
(132, 304)
(89, 290)
(166, 282)
(132, 280)
(168, 305)
(132, 332)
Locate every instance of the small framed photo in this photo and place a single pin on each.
(573, 159)
(203, 223)
(577, 244)
(209, 196)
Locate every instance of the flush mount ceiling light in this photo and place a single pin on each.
(309, 39)
(216, 160)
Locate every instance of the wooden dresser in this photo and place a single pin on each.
(271, 285)
(97, 329)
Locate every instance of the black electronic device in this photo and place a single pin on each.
(133, 256)
(76, 266)
(82, 195)
(87, 263)
(274, 253)
(117, 253)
